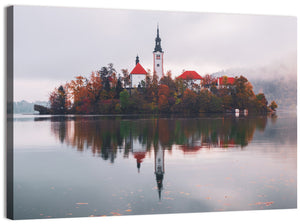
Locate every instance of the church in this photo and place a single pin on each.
(192, 78)
(138, 73)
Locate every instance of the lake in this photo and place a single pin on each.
(79, 166)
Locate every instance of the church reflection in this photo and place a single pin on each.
(109, 137)
(139, 152)
(159, 169)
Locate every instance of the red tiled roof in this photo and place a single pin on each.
(230, 80)
(138, 69)
(229, 143)
(139, 156)
(190, 75)
(189, 149)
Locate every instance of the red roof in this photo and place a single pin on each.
(189, 75)
(139, 156)
(230, 80)
(229, 143)
(138, 69)
(189, 149)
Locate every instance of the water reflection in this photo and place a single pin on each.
(94, 165)
(106, 136)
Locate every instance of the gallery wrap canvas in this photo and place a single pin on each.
(129, 112)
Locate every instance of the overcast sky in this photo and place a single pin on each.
(53, 45)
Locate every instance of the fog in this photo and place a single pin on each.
(53, 45)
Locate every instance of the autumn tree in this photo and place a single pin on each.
(208, 80)
(204, 100)
(147, 87)
(107, 75)
(190, 102)
(180, 87)
(154, 88)
(103, 73)
(119, 88)
(126, 78)
(163, 95)
(215, 104)
(261, 103)
(94, 88)
(80, 92)
(58, 101)
(110, 86)
(242, 93)
(168, 81)
(111, 69)
(68, 94)
(148, 79)
(273, 105)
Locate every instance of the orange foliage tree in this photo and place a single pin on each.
(163, 95)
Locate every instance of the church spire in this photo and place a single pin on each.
(137, 60)
(157, 47)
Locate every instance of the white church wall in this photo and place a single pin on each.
(197, 81)
(158, 64)
(137, 146)
(136, 79)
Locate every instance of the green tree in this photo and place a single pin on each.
(124, 100)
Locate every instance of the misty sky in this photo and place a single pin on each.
(53, 45)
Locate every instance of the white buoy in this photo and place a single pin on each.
(237, 112)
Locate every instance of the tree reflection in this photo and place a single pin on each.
(108, 137)
(105, 136)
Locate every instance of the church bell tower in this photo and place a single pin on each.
(159, 169)
(158, 56)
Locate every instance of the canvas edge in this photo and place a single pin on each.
(9, 15)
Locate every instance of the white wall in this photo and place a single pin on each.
(158, 64)
(136, 79)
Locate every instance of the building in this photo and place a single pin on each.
(138, 74)
(158, 57)
(192, 78)
(225, 82)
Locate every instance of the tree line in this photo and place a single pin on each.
(103, 92)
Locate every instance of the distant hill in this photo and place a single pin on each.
(24, 107)
(284, 92)
(278, 85)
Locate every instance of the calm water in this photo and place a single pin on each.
(101, 166)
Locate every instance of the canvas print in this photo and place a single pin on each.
(129, 112)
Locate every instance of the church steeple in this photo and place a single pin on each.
(158, 57)
(157, 47)
(137, 60)
(159, 169)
